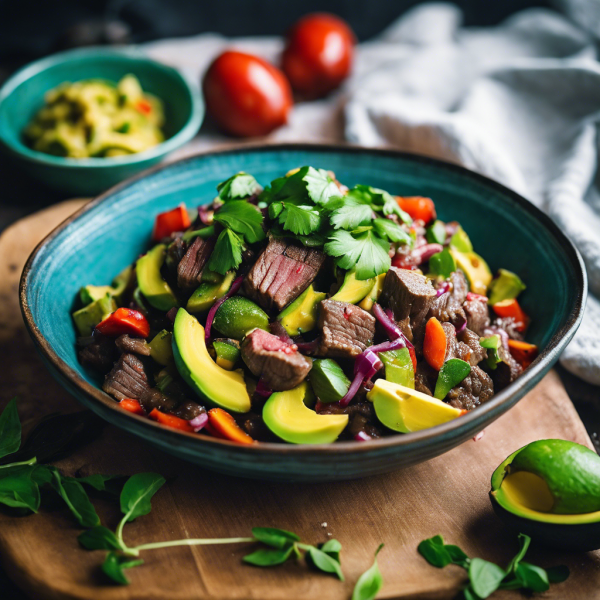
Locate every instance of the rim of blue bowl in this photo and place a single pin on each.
(185, 133)
(142, 425)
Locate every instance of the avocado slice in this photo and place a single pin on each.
(161, 347)
(353, 290)
(91, 293)
(208, 293)
(288, 417)
(89, 316)
(227, 353)
(225, 389)
(475, 268)
(238, 315)
(399, 367)
(550, 490)
(403, 409)
(367, 302)
(328, 380)
(506, 286)
(461, 241)
(155, 289)
(301, 315)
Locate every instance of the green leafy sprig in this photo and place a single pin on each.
(486, 577)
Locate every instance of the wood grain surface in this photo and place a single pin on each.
(447, 495)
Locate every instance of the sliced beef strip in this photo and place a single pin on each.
(466, 346)
(509, 325)
(252, 423)
(471, 339)
(507, 370)
(448, 306)
(175, 252)
(425, 378)
(189, 269)
(279, 364)
(98, 352)
(126, 343)
(188, 410)
(346, 330)
(361, 417)
(474, 390)
(127, 379)
(153, 398)
(281, 273)
(478, 317)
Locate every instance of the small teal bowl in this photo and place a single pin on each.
(109, 233)
(23, 95)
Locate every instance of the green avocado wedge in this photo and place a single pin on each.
(550, 490)
(301, 315)
(328, 380)
(288, 417)
(506, 286)
(155, 289)
(353, 290)
(222, 388)
(208, 293)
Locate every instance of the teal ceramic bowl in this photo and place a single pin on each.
(23, 95)
(109, 233)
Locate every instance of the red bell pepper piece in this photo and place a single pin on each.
(132, 406)
(413, 357)
(523, 352)
(224, 425)
(143, 106)
(170, 420)
(418, 207)
(168, 222)
(511, 308)
(125, 320)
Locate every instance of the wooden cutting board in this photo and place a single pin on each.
(447, 495)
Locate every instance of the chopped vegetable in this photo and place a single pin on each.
(223, 423)
(399, 367)
(170, 420)
(434, 345)
(132, 406)
(442, 263)
(124, 321)
(492, 345)
(161, 347)
(507, 286)
(436, 233)
(169, 222)
(418, 207)
(511, 308)
(451, 374)
(89, 316)
(523, 352)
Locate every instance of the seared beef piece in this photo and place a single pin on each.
(406, 329)
(281, 273)
(190, 267)
(154, 398)
(346, 330)
(175, 252)
(478, 317)
(127, 379)
(425, 378)
(139, 346)
(507, 370)
(254, 426)
(471, 339)
(448, 306)
(188, 410)
(408, 294)
(509, 325)
(247, 256)
(472, 391)
(97, 352)
(280, 365)
(361, 417)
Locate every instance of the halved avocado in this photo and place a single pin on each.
(476, 270)
(550, 490)
(403, 409)
(225, 389)
(208, 293)
(353, 290)
(301, 315)
(374, 293)
(155, 289)
(288, 417)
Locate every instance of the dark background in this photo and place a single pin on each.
(30, 29)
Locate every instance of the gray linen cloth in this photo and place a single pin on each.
(519, 103)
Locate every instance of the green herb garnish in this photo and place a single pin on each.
(370, 582)
(238, 187)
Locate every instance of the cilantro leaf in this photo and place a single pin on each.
(353, 213)
(320, 185)
(381, 201)
(291, 187)
(241, 185)
(365, 250)
(386, 228)
(227, 254)
(299, 219)
(243, 218)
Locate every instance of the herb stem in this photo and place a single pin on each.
(193, 542)
(31, 461)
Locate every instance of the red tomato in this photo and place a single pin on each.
(168, 222)
(417, 207)
(318, 54)
(124, 320)
(246, 95)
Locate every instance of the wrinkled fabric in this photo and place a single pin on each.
(519, 103)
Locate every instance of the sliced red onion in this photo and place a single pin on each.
(387, 321)
(365, 366)
(172, 314)
(308, 347)
(205, 213)
(235, 286)
(461, 328)
(362, 436)
(425, 252)
(443, 288)
(199, 422)
(279, 330)
(262, 389)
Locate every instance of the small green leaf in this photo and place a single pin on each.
(114, 565)
(434, 552)
(558, 574)
(299, 219)
(76, 498)
(101, 483)
(392, 231)
(137, 493)
(243, 218)
(10, 429)
(239, 186)
(451, 374)
(99, 538)
(324, 562)
(332, 548)
(458, 556)
(277, 538)
(19, 491)
(320, 186)
(366, 251)
(227, 255)
(469, 594)
(442, 263)
(485, 577)
(532, 577)
(436, 233)
(524, 540)
(352, 214)
(370, 582)
(268, 558)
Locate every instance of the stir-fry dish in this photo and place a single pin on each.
(305, 312)
(95, 118)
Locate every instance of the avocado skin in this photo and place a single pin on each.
(573, 537)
